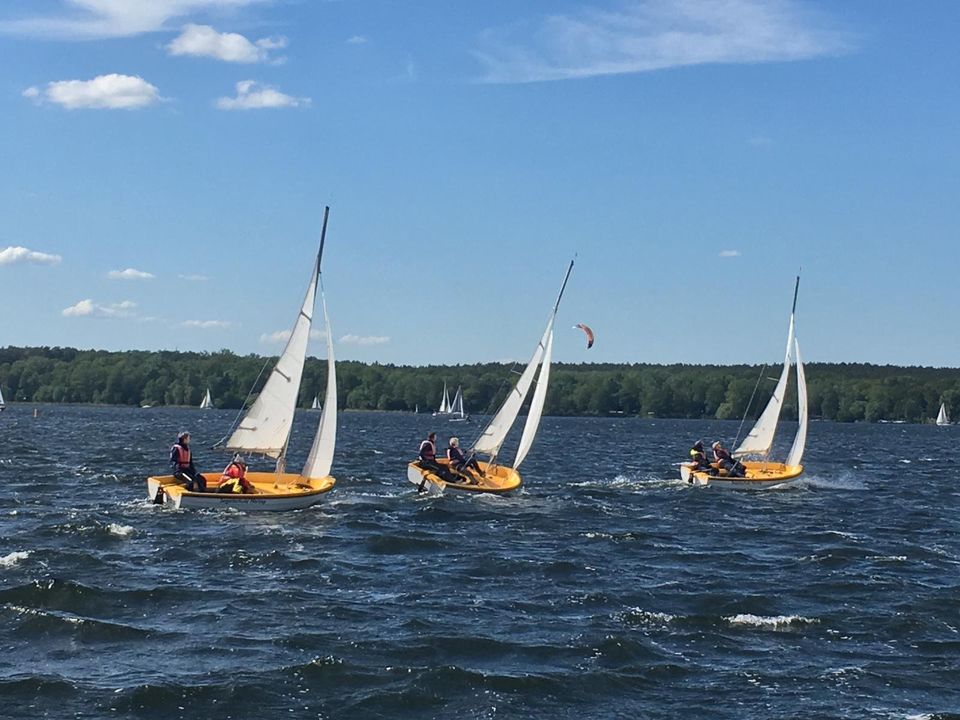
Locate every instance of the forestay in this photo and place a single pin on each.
(800, 441)
(536, 405)
(320, 459)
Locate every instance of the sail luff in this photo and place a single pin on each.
(532, 424)
(800, 441)
(320, 459)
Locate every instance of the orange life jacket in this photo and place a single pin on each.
(183, 456)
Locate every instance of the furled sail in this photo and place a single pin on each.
(320, 459)
(800, 441)
(536, 405)
(266, 426)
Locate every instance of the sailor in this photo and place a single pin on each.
(234, 478)
(181, 460)
(427, 459)
(726, 461)
(698, 457)
(459, 461)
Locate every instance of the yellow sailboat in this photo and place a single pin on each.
(754, 451)
(265, 428)
(494, 477)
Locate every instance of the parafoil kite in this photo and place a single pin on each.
(587, 331)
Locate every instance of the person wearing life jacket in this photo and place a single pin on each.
(234, 478)
(460, 462)
(181, 460)
(726, 461)
(698, 457)
(427, 458)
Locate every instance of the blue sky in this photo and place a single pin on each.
(695, 155)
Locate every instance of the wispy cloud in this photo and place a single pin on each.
(364, 339)
(357, 40)
(204, 41)
(104, 92)
(88, 308)
(206, 324)
(730, 253)
(16, 254)
(281, 336)
(645, 35)
(251, 95)
(94, 19)
(194, 278)
(129, 274)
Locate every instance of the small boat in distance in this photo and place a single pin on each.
(496, 478)
(265, 428)
(457, 413)
(316, 403)
(207, 402)
(942, 417)
(761, 472)
(3, 405)
(445, 405)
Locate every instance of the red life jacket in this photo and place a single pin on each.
(428, 451)
(234, 472)
(183, 456)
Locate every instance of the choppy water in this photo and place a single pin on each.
(605, 589)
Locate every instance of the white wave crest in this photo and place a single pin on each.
(14, 558)
(120, 530)
(770, 622)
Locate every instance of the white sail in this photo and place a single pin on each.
(1, 399)
(942, 417)
(320, 459)
(207, 402)
(456, 408)
(800, 441)
(316, 403)
(760, 439)
(445, 403)
(536, 405)
(496, 431)
(266, 426)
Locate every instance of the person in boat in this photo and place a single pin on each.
(698, 457)
(725, 461)
(460, 462)
(234, 478)
(427, 459)
(181, 460)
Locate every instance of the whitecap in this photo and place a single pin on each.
(120, 530)
(771, 622)
(14, 558)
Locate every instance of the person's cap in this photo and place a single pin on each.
(698, 444)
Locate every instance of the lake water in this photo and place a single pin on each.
(605, 589)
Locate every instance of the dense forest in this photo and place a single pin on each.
(844, 392)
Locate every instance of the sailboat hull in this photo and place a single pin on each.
(496, 479)
(275, 493)
(760, 476)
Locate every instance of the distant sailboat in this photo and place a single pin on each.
(496, 478)
(265, 428)
(316, 403)
(445, 405)
(942, 417)
(2, 403)
(207, 403)
(457, 413)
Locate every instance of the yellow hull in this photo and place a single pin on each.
(286, 491)
(494, 479)
(760, 475)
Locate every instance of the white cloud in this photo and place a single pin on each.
(364, 339)
(204, 41)
(730, 253)
(206, 324)
(129, 274)
(646, 35)
(110, 92)
(357, 40)
(281, 336)
(16, 254)
(88, 308)
(194, 278)
(251, 95)
(93, 19)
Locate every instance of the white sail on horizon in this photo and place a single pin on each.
(207, 402)
(445, 402)
(316, 403)
(942, 417)
(456, 407)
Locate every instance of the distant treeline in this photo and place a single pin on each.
(844, 392)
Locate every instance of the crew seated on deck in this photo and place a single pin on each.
(181, 460)
(460, 462)
(698, 457)
(427, 459)
(234, 478)
(726, 462)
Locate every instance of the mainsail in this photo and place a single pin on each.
(266, 427)
(320, 459)
(493, 436)
(316, 403)
(445, 403)
(1, 399)
(456, 408)
(942, 417)
(760, 439)
(207, 401)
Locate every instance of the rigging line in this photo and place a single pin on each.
(749, 404)
(243, 407)
(493, 402)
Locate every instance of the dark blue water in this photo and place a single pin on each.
(606, 589)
